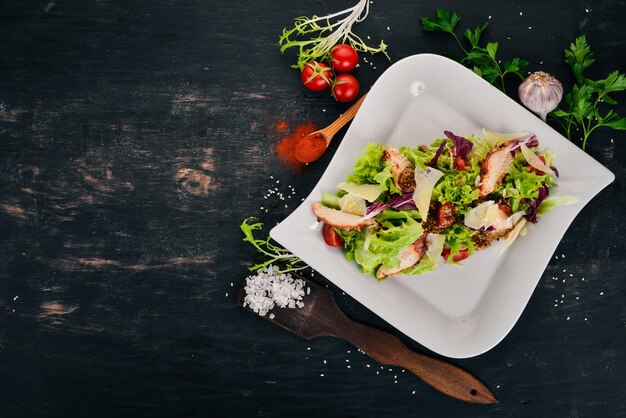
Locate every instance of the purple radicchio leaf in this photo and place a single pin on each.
(553, 168)
(399, 202)
(531, 213)
(462, 146)
(433, 162)
(532, 141)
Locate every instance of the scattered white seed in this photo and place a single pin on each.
(489, 17)
(16, 298)
(321, 374)
(395, 381)
(387, 27)
(530, 27)
(226, 294)
(568, 318)
(586, 10)
(367, 365)
(272, 316)
(347, 361)
(520, 13)
(586, 319)
(348, 366)
(601, 293)
(324, 361)
(413, 392)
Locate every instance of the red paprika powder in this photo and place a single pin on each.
(286, 148)
(311, 148)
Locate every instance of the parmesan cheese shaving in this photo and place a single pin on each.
(425, 181)
(534, 160)
(435, 247)
(513, 234)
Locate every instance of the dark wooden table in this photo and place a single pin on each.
(135, 136)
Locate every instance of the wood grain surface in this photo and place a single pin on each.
(135, 136)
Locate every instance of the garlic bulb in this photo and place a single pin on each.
(541, 93)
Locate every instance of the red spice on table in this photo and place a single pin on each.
(286, 148)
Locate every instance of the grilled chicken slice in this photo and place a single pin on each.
(408, 256)
(339, 219)
(401, 168)
(494, 167)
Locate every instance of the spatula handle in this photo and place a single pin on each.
(389, 350)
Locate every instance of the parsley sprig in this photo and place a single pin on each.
(483, 60)
(583, 102)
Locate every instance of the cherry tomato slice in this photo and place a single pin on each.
(331, 237)
(460, 256)
(460, 164)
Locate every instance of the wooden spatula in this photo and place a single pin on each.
(321, 316)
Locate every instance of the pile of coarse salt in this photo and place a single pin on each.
(269, 288)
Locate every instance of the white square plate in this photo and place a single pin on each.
(455, 311)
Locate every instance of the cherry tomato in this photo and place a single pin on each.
(460, 256)
(316, 76)
(460, 164)
(345, 88)
(343, 58)
(331, 237)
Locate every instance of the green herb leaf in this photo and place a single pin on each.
(445, 21)
(579, 57)
(474, 36)
(482, 60)
(492, 48)
(516, 66)
(615, 121)
(491, 72)
(583, 114)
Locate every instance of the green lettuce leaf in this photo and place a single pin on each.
(554, 202)
(370, 168)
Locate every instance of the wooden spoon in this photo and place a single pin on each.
(321, 316)
(313, 146)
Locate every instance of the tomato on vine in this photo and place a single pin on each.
(316, 76)
(343, 58)
(345, 88)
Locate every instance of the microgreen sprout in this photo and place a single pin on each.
(274, 253)
(324, 32)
